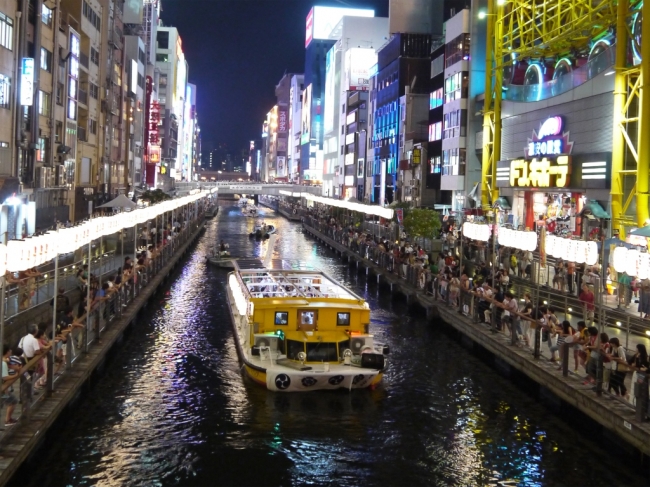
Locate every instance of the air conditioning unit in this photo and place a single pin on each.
(270, 341)
(41, 178)
(359, 343)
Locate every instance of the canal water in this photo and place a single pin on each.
(173, 407)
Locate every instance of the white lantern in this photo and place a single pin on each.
(531, 244)
(3, 259)
(619, 257)
(644, 265)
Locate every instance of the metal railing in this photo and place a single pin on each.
(520, 330)
(63, 348)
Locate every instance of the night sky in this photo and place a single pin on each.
(237, 51)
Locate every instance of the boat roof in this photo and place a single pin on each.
(289, 279)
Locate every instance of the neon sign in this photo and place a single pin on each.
(549, 140)
(540, 173)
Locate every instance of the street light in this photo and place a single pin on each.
(218, 172)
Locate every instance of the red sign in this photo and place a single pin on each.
(154, 120)
(400, 215)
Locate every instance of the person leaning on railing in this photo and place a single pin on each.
(8, 398)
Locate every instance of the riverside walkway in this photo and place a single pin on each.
(614, 415)
(77, 351)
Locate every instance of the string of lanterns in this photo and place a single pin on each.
(517, 239)
(476, 231)
(632, 262)
(376, 210)
(19, 255)
(577, 251)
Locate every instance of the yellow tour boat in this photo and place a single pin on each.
(300, 330)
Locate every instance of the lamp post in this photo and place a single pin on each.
(218, 173)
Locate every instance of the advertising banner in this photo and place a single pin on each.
(305, 125)
(330, 102)
(282, 120)
(400, 215)
(27, 82)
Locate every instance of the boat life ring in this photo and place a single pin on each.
(422, 280)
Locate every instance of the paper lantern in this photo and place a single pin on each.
(644, 265)
(619, 257)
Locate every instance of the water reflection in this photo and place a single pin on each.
(175, 409)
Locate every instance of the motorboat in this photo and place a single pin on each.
(212, 211)
(250, 211)
(222, 258)
(263, 231)
(301, 330)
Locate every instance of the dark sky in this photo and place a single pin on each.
(237, 51)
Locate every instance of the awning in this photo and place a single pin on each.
(641, 232)
(502, 203)
(594, 208)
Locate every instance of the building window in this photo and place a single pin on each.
(46, 15)
(162, 81)
(58, 132)
(46, 60)
(436, 98)
(43, 103)
(43, 153)
(456, 86)
(434, 165)
(92, 126)
(162, 58)
(437, 66)
(91, 15)
(457, 50)
(162, 38)
(5, 91)
(94, 91)
(435, 131)
(6, 31)
(117, 69)
(59, 94)
(94, 56)
(455, 123)
(453, 162)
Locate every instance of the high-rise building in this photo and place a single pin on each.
(293, 140)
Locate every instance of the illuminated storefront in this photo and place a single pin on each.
(552, 185)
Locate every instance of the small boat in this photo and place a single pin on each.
(222, 258)
(299, 330)
(250, 211)
(263, 231)
(212, 211)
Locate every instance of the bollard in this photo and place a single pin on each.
(641, 395)
(564, 356)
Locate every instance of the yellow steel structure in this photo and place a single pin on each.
(521, 29)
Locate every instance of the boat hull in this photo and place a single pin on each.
(295, 381)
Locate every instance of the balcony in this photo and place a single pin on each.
(82, 134)
(82, 97)
(83, 59)
(561, 84)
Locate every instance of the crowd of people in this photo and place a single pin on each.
(98, 299)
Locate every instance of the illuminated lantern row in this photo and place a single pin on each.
(577, 251)
(632, 262)
(517, 239)
(20, 255)
(350, 205)
(476, 231)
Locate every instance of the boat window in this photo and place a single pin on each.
(342, 319)
(322, 352)
(294, 347)
(307, 318)
(281, 318)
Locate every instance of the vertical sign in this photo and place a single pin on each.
(400, 215)
(27, 82)
(282, 120)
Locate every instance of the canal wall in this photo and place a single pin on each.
(29, 435)
(616, 419)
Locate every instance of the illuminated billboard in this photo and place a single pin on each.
(305, 124)
(358, 62)
(322, 20)
(330, 104)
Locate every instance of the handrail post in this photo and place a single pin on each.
(68, 351)
(641, 395)
(536, 348)
(50, 369)
(599, 371)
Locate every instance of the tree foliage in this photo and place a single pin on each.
(155, 196)
(422, 222)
